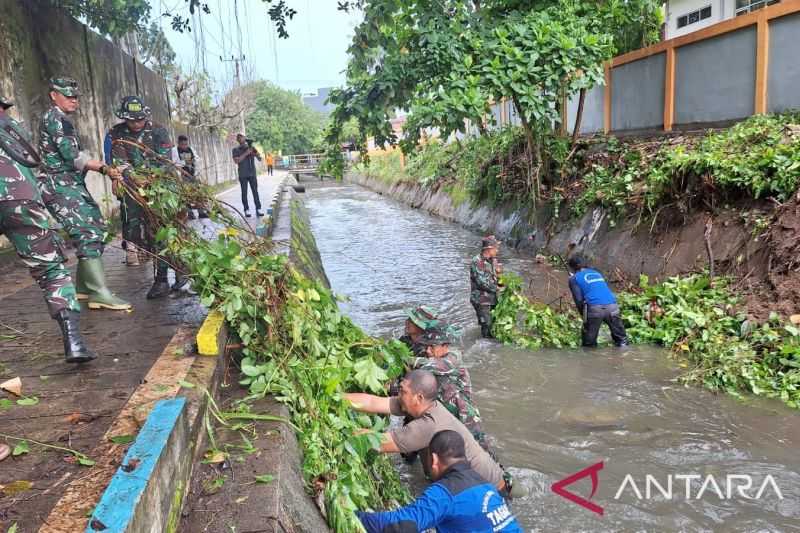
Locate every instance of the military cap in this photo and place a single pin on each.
(434, 337)
(424, 316)
(65, 86)
(132, 108)
(490, 241)
(5, 103)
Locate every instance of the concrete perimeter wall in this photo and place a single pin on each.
(38, 41)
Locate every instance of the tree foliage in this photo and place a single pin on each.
(281, 122)
(446, 60)
(118, 17)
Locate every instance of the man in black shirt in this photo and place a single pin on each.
(245, 155)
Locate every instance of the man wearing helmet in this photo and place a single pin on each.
(139, 143)
(23, 219)
(65, 195)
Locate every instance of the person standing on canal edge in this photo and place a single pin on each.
(24, 221)
(484, 284)
(245, 156)
(595, 303)
(270, 164)
(64, 192)
(459, 500)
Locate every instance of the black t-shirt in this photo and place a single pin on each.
(247, 166)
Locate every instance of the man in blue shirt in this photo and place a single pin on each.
(595, 302)
(459, 501)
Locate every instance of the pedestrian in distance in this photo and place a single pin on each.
(458, 501)
(24, 221)
(245, 156)
(140, 145)
(418, 396)
(64, 192)
(270, 164)
(595, 302)
(484, 284)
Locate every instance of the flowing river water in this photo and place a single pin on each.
(552, 413)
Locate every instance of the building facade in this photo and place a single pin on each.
(687, 16)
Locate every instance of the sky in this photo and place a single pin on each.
(314, 55)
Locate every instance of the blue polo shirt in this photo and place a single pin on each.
(588, 286)
(460, 501)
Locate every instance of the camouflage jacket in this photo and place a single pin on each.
(129, 157)
(16, 181)
(59, 144)
(483, 281)
(455, 388)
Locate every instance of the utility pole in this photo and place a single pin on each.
(238, 86)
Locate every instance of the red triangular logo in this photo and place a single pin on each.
(558, 487)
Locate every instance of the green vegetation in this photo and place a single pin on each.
(756, 158)
(695, 318)
(281, 122)
(445, 61)
(297, 346)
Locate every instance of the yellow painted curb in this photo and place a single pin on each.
(207, 337)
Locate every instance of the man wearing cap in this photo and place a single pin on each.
(418, 320)
(23, 219)
(483, 273)
(455, 385)
(138, 143)
(64, 192)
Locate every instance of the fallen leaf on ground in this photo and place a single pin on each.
(214, 456)
(264, 478)
(21, 448)
(122, 439)
(32, 400)
(15, 487)
(14, 386)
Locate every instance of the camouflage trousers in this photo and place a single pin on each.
(67, 199)
(25, 224)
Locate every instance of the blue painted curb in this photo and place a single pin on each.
(115, 510)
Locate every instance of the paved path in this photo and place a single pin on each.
(77, 404)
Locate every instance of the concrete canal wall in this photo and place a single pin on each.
(630, 247)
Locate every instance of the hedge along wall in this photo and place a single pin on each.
(38, 41)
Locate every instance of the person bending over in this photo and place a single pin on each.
(595, 303)
(459, 500)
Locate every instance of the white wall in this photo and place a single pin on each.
(720, 10)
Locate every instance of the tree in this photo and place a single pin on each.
(119, 17)
(281, 122)
(155, 50)
(536, 58)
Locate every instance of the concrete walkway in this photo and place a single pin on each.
(74, 406)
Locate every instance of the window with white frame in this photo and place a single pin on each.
(744, 7)
(696, 16)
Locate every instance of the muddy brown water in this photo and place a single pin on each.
(552, 413)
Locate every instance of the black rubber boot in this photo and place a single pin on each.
(75, 350)
(159, 289)
(183, 284)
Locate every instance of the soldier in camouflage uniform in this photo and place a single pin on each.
(455, 385)
(418, 320)
(483, 275)
(156, 155)
(65, 195)
(23, 219)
